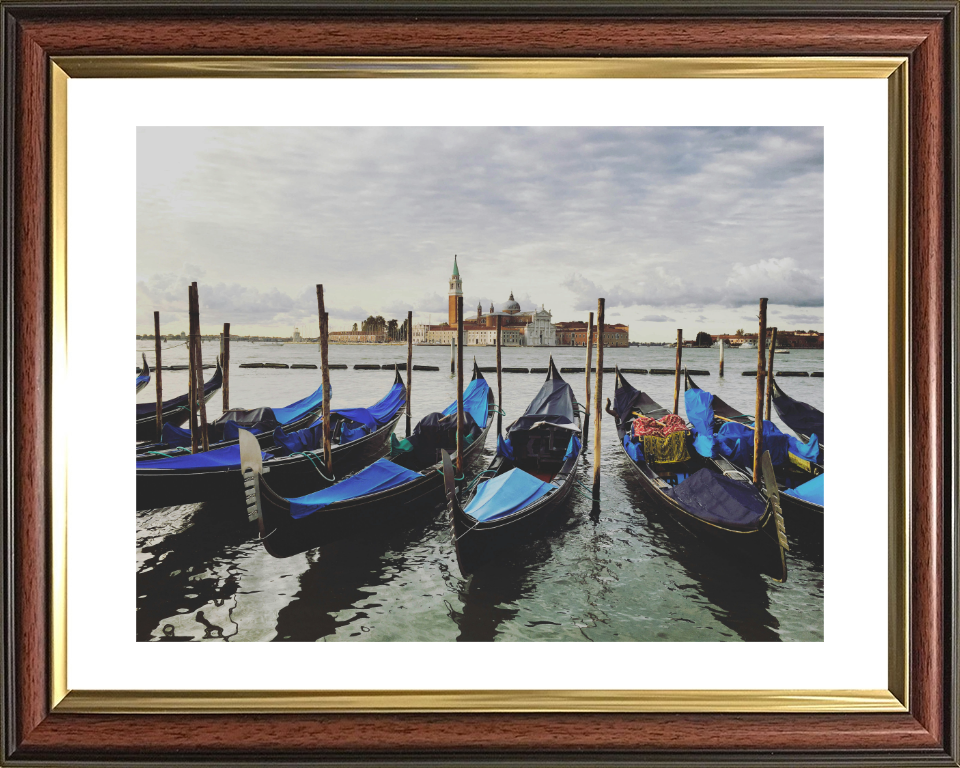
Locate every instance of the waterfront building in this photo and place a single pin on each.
(574, 334)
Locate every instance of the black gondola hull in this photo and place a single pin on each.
(289, 475)
(176, 411)
(284, 536)
(480, 543)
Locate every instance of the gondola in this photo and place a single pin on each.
(143, 375)
(175, 411)
(799, 477)
(801, 417)
(223, 431)
(388, 493)
(358, 436)
(715, 501)
(531, 475)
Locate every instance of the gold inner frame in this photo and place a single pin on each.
(895, 699)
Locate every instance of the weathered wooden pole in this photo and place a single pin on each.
(225, 365)
(773, 348)
(325, 366)
(460, 434)
(722, 345)
(203, 443)
(191, 367)
(409, 365)
(499, 378)
(156, 336)
(599, 409)
(676, 375)
(586, 384)
(758, 411)
(453, 354)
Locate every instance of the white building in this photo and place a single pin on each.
(541, 332)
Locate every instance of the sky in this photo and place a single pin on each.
(682, 227)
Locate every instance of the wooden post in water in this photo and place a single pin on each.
(202, 401)
(325, 366)
(722, 345)
(460, 386)
(191, 367)
(225, 365)
(499, 378)
(676, 375)
(758, 411)
(586, 383)
(156, 336)
(409, 365)
(599, 407)
(773, 349)
(453, 355)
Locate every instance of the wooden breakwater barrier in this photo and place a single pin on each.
(817, 374)
(672, 371)
(515, 370)
(780, 374)
(309, 366)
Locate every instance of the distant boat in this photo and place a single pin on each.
(721, 342)
(782, 351)
(748, 345)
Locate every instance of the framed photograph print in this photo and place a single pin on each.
(612, 233)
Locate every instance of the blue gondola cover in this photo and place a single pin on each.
(717, 499)
(506, 494)
(220, 458)
(812, 490)
(379, 476)
(504, 447)
(474, 402)
(175, 436)
(573, 448)
(142, 378)
(699, 406)
(387, 408)
(634, 450)
(301, 408)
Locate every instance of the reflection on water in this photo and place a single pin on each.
(618, 571)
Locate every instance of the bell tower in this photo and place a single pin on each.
(456, 289)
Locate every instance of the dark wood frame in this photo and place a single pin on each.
(925, 32)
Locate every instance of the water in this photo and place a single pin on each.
(627, 573)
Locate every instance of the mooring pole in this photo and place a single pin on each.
(453, 355)
(586, 384)
(460, 434)
(156, 336)
(225, 365)
(194, 437)
(325, 366)
(198, 386)
(599, 408)
(773, 348)
(676, 375)
(409, 365)
(499, 378)
(722, 345)
(758, 411)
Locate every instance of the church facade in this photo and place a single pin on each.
(518, 327)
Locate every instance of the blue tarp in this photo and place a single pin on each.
(175, 436)
(474, 402)
(222, 458)
(387, 408)
(735, 441)
(573, 448)
(142, 378)
(301, 408)
(634, 450)
(379, 476)
(699, 406)
(717, 499)
(505, 495)
(809, 451)
(504, 447)
(812, 490)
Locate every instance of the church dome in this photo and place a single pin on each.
(511, 305)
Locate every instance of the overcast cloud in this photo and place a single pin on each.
(675, 227)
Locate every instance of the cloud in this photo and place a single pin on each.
(656, 319)
(655, 218)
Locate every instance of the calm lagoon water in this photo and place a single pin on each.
(626, 573)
